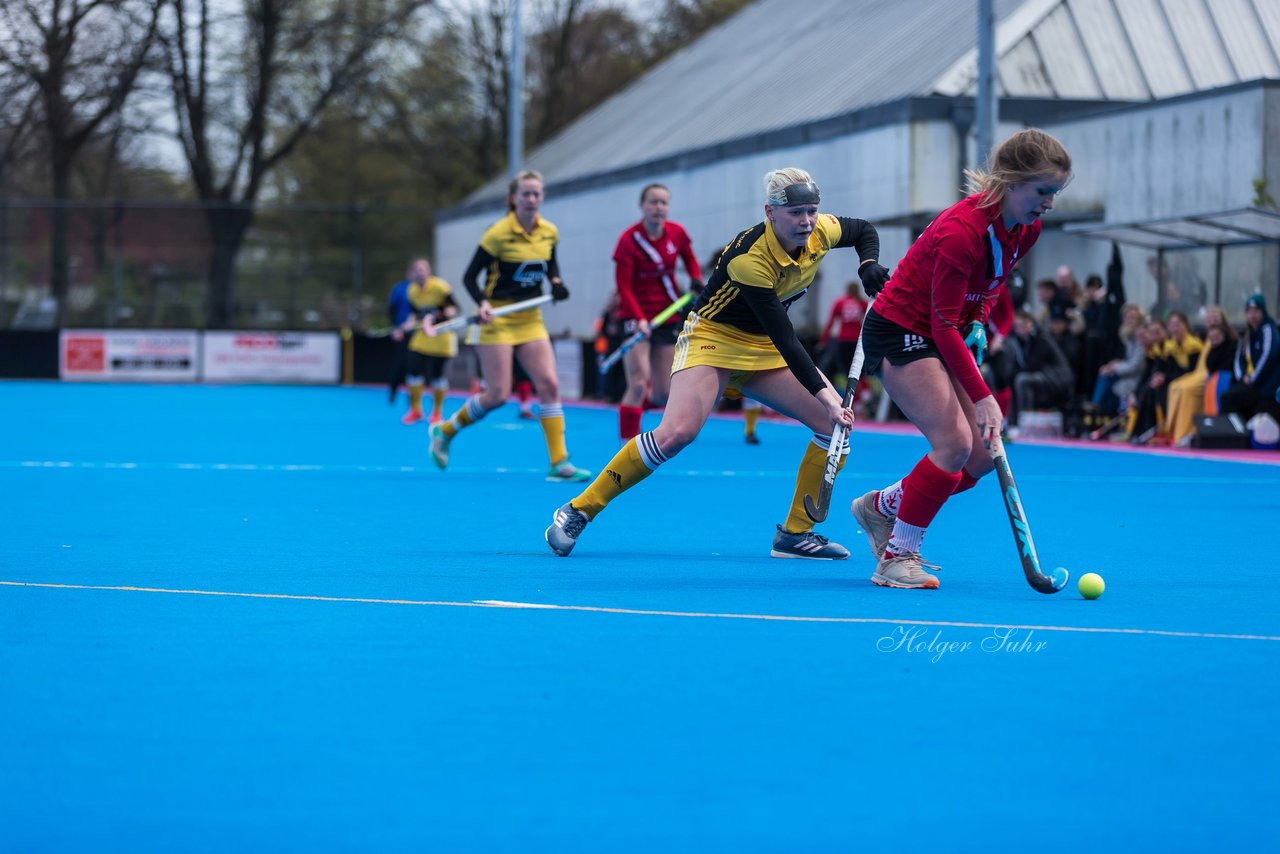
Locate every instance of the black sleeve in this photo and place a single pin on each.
(437, 313)
(471, 278)
(860, 234)
(553, 266)
(764, 303)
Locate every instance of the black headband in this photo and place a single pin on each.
(800, 194)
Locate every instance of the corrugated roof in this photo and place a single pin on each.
(780, 64)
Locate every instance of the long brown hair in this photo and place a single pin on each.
(1028, 155)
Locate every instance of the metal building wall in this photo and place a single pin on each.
(881, 174)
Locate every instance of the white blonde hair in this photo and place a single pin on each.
(777, 181)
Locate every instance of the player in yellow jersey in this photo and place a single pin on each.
(517, 255)
(429, 355)
(739, 337)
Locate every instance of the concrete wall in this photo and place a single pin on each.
(1187, 156)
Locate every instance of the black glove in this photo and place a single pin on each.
(695, 286)
(559, 293)
(874, 277)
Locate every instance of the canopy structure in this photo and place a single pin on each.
(1214, 232)
(1210, 230)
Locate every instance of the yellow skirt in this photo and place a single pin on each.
(517, 328)
(718, 345)
(442, 346)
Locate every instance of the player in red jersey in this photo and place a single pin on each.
(925, 337)
(848, 311)
(645, 270)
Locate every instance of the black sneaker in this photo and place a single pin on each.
(809, 545)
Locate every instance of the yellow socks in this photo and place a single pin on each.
(415, 397)
(551, 416)
(636, 461)
(808, 482)
(469, 414)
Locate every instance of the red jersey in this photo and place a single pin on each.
(645, 270)
(951, 276)
(849, 311)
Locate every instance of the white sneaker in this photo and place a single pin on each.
(904, 570)
(877, 526)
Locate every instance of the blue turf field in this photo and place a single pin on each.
(258, 619)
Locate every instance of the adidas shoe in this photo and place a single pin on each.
(566, 525)
(877, 526)
(809, 545)
(413, 416)
(566, 472)
(752, 439)
(904, 570)
(439, 446)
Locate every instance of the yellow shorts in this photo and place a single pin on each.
(518, 328)
(718, 345)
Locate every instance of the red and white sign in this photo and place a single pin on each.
(128, 354)
(279, 357)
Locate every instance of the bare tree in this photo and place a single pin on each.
(82, 58)
(247, 88)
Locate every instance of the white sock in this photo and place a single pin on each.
(906, 538)
(890, 499)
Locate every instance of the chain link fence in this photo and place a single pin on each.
(143, 266)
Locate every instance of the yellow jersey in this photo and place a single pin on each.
(433, 294)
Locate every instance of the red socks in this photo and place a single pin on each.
(629, 421)
(924, 491)
(967, 481)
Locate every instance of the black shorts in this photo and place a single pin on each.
(422, 365)
(883, 339)
(660, 336)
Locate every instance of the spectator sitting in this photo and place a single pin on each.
(1035, 368)
(1176, 357)
(1256, 371)
(1049, 295)
(1186, 393)
(1071, 297)
(1067, 340)
(1139, 404)
(1101, 341)
(1118, 378)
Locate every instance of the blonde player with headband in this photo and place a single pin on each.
(517, 254)
(739, 337)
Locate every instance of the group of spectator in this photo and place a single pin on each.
(1145, 373)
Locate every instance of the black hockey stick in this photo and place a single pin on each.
(839, 437)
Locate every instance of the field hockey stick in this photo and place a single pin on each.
(607, 362)
(461, 322)
(818, 511)
(1106, 429)
(1021, 529)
